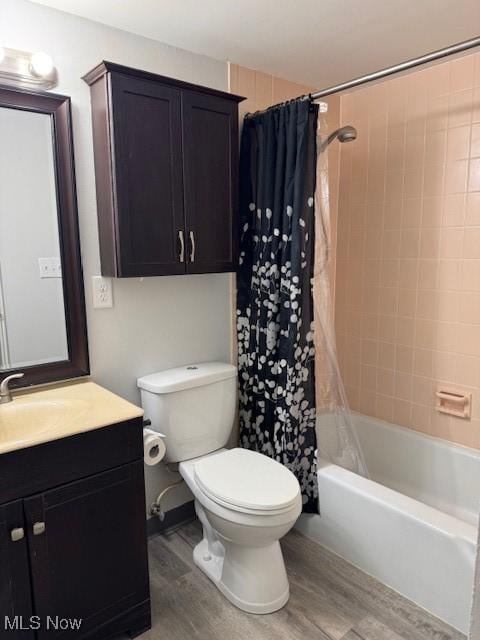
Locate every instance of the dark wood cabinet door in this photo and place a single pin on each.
(15, 598)
(210, 144)
(90, 562)
(146, 120)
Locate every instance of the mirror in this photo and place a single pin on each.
(42, 311)
(30, 272)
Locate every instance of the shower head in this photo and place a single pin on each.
(344, 134)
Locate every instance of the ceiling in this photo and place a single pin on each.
(316, 42)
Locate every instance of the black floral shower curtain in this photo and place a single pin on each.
(275, 305)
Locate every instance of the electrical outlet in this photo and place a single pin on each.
(102, 292)
(50, 267)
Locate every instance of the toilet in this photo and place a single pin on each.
(245, 501)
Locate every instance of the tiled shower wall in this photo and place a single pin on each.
(408, 251)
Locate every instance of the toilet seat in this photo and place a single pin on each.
(247, 481)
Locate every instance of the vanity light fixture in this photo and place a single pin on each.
(41, 64)
(26, 69)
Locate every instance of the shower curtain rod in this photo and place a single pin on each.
(403, 66)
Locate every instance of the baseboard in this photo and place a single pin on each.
(173, 518)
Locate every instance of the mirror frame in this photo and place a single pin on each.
(59, 109)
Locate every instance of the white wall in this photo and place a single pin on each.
(29, 231)
(160, 322)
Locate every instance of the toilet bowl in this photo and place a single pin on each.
(245, 501)
(242, 526)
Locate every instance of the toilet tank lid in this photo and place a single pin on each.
(187, 377)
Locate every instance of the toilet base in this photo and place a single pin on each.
(253, 579)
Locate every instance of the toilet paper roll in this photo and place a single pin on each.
(153, 447)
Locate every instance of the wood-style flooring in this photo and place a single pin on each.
(329, 600)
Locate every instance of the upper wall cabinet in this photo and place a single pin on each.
(166, 166)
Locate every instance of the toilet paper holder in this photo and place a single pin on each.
(153, 446)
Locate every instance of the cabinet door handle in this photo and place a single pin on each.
(17, 534)
(181, 257)
(192, 245)
(38, 528)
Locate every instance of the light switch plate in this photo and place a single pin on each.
(50, 267)
(102, 292)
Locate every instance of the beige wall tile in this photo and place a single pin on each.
(451, 242)
(384, 408)
(456, 176)
(467, 370)
(263, 90)
(438, 80)
(476, 105)
(432, 210)
(282, 90)
(423, 362)
(402, 412)
(458, 143)
(416, 189)
(449, 274)
(473, 209)
(437, 115)
(435, 146)
(421, 418)
(461, 73)
(474, 175)
(472, 242)
(470, 307)
(454, 210)
(245, 79)
(444, 365)
(476, 78)
(475, 141)
(470, 275)
(386, 356)
(412, 212)
(460, 108)
(428, 272)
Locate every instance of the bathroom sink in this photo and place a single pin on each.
(26, 415)
(23, 415)
(37, 416)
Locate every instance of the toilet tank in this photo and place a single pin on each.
(193, 406)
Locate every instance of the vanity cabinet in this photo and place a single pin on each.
(73, 544)
(15, 596)
(166, 167)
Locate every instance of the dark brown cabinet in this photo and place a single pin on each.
(148, 177)
(76, 551)
(15, 597)
(166, 165)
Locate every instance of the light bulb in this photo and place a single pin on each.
(2, 54)
(41, 64)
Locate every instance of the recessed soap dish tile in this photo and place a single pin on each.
(454, 402)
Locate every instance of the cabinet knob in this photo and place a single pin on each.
(182, 246)
(38, 528)
(17, 534)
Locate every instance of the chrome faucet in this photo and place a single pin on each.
(5, 393)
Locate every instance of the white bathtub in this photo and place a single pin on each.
(413, 525)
